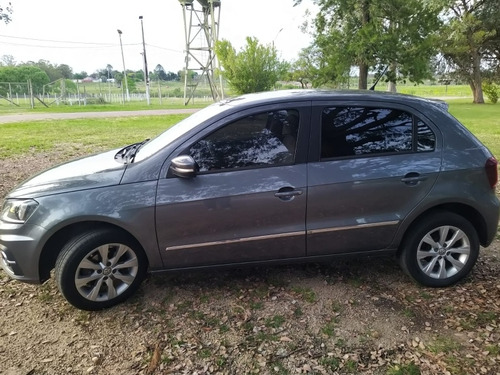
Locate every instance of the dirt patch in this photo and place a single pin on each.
(360, 316)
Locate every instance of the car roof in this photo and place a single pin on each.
(270, 97)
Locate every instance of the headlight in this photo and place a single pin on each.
(18, 211)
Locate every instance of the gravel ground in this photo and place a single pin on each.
(359, 316)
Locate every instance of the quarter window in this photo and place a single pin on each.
(265, 139)
(352, 131)
(426, 139)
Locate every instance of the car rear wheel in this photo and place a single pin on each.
(100, 269)
(440, 249)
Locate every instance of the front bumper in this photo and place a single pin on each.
(20, 251)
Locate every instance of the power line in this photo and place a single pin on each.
(85, 45)
(55, 47)
(165, 49)
(55, 41)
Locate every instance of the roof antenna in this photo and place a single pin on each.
(378, 79)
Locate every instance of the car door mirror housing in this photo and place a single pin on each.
(184, 166)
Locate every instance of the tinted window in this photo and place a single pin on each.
(265, 139)
(347, 131)
(426, 139)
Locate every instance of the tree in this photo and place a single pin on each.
(80, 75)
(5, 13)
(375, 33)
(160, 72)
(467, 38)
(255, 68)
(489, 17)
(191, 74)
(53, 71)
(21, 74)
(309, 69)
(65, 71)
(8, 60)
(171, 76)
(109, 69)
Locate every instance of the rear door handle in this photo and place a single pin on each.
(413, 178)
(287, 193)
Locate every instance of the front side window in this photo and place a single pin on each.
(353, 131)
(265, 139)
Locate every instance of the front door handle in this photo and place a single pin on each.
(413, 178)
(287, 193)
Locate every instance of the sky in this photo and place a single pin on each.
(83, 34)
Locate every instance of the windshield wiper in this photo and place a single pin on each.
(127, 154)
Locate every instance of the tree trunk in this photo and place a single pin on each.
(476, 81)
(363, 67)
(391, 85)
(363, 77)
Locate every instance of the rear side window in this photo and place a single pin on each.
(426, 139)
(354, 131)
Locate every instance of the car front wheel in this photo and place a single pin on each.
(440, 249)
(100, 269)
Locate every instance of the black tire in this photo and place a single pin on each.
(109, 265)
(439, 249)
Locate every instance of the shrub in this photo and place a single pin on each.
(492, 91)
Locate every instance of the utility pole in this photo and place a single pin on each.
(146, 74)
(124, 70)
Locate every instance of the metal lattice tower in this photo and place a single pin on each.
(201, 32)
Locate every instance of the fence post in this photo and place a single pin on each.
(32, 99)
(159, 90)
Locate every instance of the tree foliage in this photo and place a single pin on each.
(375, 33)
(312, 68)
(5, 13)
(489, 16)
(53, 71)
(255, 68)
(469, 38)
(20, 75)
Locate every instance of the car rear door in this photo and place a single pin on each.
(371, 163)
(248, 202)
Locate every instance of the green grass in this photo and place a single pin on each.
(172, 94)
(171, 99)
(75, 136)
(167, 103)
(409, 369)
(483, 120)
(434, 90)
(92, 135)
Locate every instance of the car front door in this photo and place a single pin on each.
(248, 201)
(372, 165)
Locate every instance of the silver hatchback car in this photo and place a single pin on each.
(271, 177)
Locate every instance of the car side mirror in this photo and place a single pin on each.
(184, 166)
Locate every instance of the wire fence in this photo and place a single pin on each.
(63, 92)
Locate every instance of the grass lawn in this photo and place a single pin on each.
(435, 90)
(481, 119)
(89, 135)
(97, 134)
(166, 103)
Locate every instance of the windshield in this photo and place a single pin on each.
(178, 130)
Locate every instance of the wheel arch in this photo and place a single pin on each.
(56, 242)
(464, 210)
